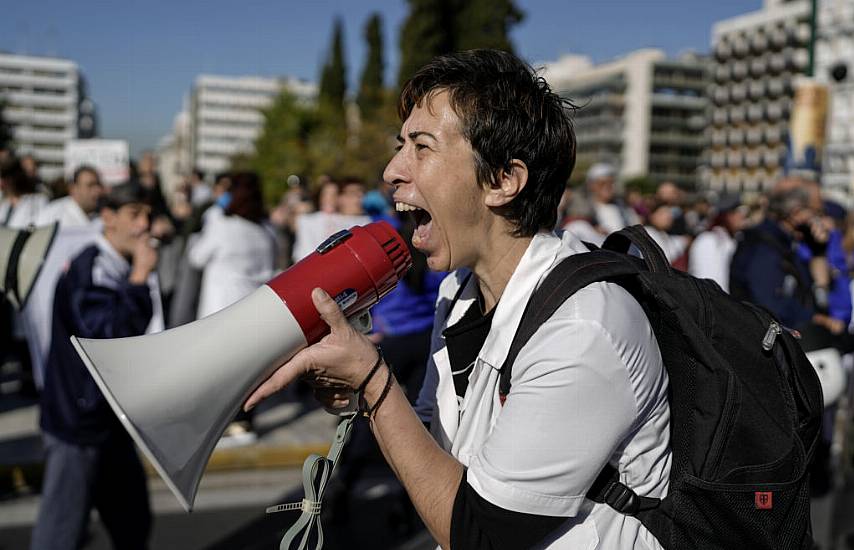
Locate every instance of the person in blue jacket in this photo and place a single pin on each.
(108, 291)
(769, 269)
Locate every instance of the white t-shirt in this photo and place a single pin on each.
(66, 211)
(711, 256)
(314, 228)
(588, 389)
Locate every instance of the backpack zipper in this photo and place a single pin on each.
(771, 334)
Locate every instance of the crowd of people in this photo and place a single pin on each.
(156, 261)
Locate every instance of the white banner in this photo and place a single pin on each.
(108, 156)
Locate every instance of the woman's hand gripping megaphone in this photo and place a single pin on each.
(335, 366)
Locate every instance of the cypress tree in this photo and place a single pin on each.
(485, 24)
(370, 96)
(427, 32)
(333, 79)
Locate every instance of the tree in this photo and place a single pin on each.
(5, 131)
(283, 148)
(485, 24)
(370, 98)
(427, 32)
(333, 78)
(372, 142)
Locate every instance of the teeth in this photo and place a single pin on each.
(403, 207)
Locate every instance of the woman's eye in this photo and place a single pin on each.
(419, 146)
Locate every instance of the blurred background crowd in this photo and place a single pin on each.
(738, 160)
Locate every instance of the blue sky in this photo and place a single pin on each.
(140, 58)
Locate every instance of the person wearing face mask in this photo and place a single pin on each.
(767, 269)
(109, 290)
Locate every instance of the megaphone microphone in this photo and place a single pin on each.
(176, 391)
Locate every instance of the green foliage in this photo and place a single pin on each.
(485, 24)
(370, 98)
(310, 140)
(426, 33)
(436, 27)
(283, 148)
(372, 143)
(333, 79)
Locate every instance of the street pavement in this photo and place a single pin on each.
(239, 483)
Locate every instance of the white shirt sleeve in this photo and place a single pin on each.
(203, 250)
(571, 405)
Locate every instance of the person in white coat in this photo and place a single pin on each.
(711, 253)
(236, 251)
(81, 204)
(21, 203)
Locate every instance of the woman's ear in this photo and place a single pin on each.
(510, 183)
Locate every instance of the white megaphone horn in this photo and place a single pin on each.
(22, 253)
(176, 391)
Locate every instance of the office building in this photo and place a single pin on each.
(756, 59)
(45, 105)
(226, 115)
(644, 113)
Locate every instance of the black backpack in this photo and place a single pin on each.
(745, 404)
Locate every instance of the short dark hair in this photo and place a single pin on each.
(781, 204)
(84, 169)
(129, 192)
(247, 197)
(507, 112)
(16, 178)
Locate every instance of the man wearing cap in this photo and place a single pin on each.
(609, 213)
(108, 291)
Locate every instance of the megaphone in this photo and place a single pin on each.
(822, 350)
(176, 391)
(22, 253)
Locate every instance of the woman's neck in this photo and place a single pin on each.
(497, 266)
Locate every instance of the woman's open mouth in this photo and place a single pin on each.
(423, 221)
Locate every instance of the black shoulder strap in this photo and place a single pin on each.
(607, 489)
(653, 255)
(567, 278)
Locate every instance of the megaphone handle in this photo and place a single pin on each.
(316, 471)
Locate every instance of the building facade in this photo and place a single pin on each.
(756, 59)
(834, 66)
(644, 113)
(226, 115)
(45, 105)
